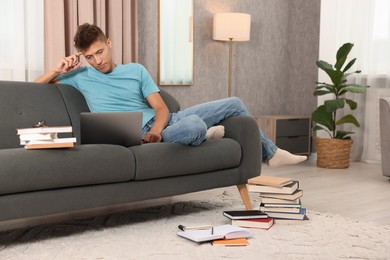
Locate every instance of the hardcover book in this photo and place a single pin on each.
(288, 189)
(292, 221)
(44, 130)
(55, 143)
(244, 214)
(272, 181)
(263, 223)
(296, 195)
(281, 205)
(283, 215)
(280, 209)
(279, 201)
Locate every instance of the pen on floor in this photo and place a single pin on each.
(212, 230)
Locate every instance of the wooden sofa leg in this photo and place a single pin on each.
(245, 196)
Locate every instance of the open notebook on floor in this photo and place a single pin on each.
(217, 232)
(121, 128)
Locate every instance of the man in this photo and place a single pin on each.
(108, 86)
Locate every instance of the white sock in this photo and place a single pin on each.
(282, 157)
(215, 132)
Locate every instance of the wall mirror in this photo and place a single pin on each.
(175, 42)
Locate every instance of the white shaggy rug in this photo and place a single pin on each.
(151, 234)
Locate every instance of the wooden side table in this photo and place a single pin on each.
(291, 133)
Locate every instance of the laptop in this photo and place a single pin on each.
(120, 128)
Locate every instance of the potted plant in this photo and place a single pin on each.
(334, 152)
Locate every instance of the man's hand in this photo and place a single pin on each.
(65, 65)
(152, 137)
(68, 64)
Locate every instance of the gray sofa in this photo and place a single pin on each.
(384, 114)
(38, 185)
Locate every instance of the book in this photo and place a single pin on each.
(54, 143)
(44, 130)
(244, 214)
(292, 221)
(231, 242)
(280, 209)
(272, 181)
(287, 189)
(30, 137)
(296, 195)
(263, 223)
(279, 201)
(284, 215)
(281, 205)
(215, 233)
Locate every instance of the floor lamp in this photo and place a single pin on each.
(231, 27)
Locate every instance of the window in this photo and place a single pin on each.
(21, 39)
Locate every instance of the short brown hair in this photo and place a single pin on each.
(86, 35)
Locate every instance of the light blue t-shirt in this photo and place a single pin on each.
(123, 89)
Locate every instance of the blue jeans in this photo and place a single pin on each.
(190, 125)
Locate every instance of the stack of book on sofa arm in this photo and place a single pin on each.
(280, 198)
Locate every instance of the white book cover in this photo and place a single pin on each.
(58, 141)
(44, 130)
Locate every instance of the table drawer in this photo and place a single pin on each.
(292, 127)
(294, 144)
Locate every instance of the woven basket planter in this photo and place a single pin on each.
(333, 153)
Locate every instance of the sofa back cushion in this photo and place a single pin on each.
(22, 104)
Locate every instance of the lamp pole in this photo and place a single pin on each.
(230, 68)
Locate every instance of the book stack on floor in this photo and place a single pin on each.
(249, 218)
(280, 198)
(45, 137)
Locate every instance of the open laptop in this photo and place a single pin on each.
(121, 128)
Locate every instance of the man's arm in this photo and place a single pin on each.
(65, 65)
(160, 120)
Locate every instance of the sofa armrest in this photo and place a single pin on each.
(245, 131)
(384, 122)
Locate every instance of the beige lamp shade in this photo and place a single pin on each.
(231, 26)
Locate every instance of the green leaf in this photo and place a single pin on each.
(334, 104)
(342, 55)
(354, 88)
(336, 77)
(348, 119)
(346, 75)
(323, 117)
(349, 65)
(324, 65)
(321, 92)
(352, 104)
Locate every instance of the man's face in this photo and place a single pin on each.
(98, 55)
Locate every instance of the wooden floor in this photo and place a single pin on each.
(360, 192)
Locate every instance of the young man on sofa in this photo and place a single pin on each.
(108, 86)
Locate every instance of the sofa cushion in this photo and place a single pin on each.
(29, 170)
(158, 160)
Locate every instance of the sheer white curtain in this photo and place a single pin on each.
(175, 42)
(366, 23)
(21, 39)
